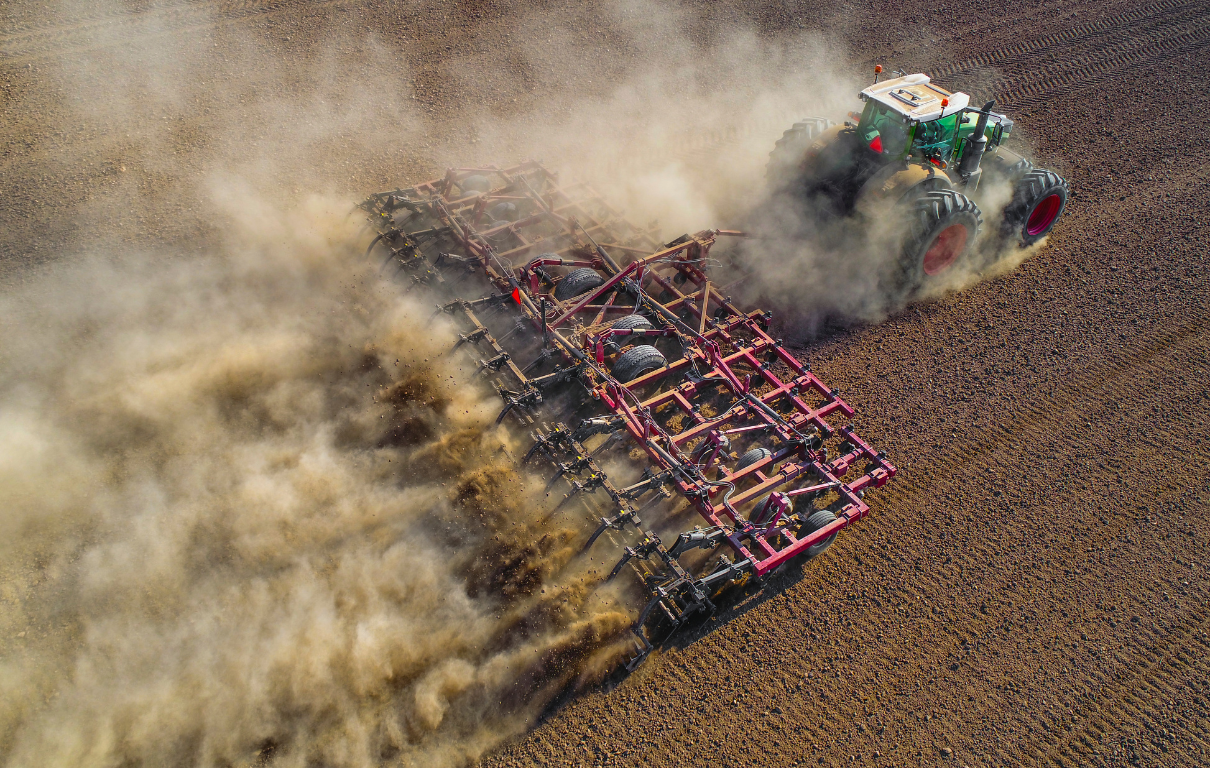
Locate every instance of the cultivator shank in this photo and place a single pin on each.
(602, 340)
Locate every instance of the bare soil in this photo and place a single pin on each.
(1032, 588)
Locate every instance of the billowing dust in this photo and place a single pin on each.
(253, 509)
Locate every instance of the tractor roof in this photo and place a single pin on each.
(914, 97)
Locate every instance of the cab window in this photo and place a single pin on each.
(882, 129)
(936, 137)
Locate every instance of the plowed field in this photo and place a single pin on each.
(1031, 589)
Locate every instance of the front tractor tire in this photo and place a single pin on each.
(942, 227)
(1039, 198)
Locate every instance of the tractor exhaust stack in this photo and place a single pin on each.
(975, 144)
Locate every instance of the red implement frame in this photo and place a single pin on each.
(771, 394)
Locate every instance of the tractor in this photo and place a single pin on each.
(923, 153)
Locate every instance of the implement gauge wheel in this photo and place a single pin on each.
(942, 227)
(816, 521)
(578, 281)
(1039, 198)
(636, 361)
(751, 457)
(632, 323)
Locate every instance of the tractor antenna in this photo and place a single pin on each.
(877, 72)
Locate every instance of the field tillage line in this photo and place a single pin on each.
(35, 45)
(1186, 651)
(1025, 90)
(1009, 584)
(1076, 34)
(1038, 418)
(1035, 432)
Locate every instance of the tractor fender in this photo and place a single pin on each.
(894, 182)
(825, 139)
(823, 152)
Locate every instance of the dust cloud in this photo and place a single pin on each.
(254, 513)
(683, 139)
(252, 509)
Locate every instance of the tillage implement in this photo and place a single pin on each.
(689, 437)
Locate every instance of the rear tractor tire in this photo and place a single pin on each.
(942, 227)
(1039, 198)
(576, 282)
(787, 155)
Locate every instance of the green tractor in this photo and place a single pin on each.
(924, 153)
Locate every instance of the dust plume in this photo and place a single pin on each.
(683, 138)
(253, 510)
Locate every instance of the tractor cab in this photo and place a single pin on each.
(909, 118)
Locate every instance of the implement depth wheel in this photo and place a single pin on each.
(636, 361)
(942, 227)
(632, 323)
(578, 281)
(751, 457)
(816, 521)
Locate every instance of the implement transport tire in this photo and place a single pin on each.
(1039, 198)
(576, 282)
(636, 361)
(816, 521)
(942, 227)
(632, 322)
(751, 457)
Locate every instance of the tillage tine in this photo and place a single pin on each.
(676, 455)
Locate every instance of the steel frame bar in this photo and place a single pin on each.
(558, 223)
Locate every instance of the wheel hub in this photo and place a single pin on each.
(946, 248)
(1043, 215)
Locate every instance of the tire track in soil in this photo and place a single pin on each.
(53, 42)
(1078, 34)
(981, 31)
(1119, 27)
(1186, 652)
(1026, 90)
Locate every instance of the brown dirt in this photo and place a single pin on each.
(1032, 588)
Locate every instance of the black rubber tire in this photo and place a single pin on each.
(632, 322)
(1008, 166)
(636, 361)
(930, 214)
(788, 152)
(1036, 186)
(476, 183)
(503, 211)
(751, 457)
(816, 521)
(576, 282)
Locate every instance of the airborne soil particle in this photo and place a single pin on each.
(1031, 588)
